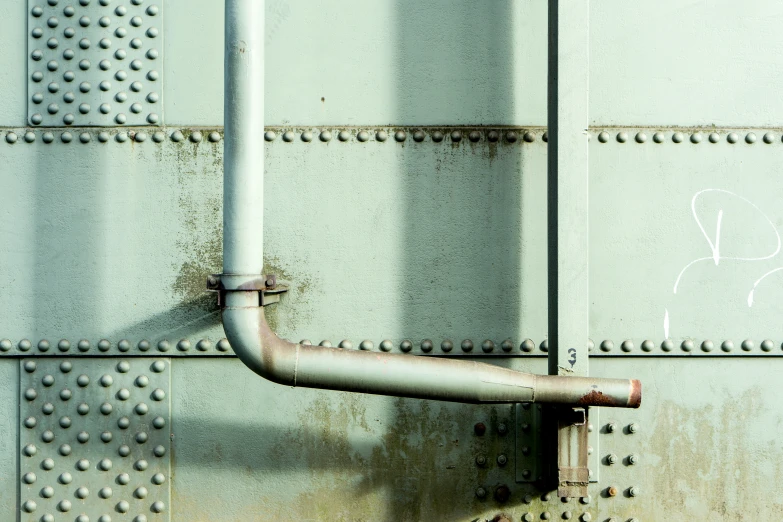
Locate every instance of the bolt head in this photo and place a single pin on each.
(502, 428)
(481, 460)
(502, 460)
(480, 429)
(611, 491)
(481, 492)
(502, 493)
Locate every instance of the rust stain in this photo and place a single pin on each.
(597, 398)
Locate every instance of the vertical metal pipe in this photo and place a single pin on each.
(243, 176)
(567, 115)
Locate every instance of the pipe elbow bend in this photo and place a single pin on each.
(257, 346)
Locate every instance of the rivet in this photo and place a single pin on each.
(418, 136)
(493, 136)
(456, 136)
(426, 346)
(566, 515)
(83, 464)
(5, 345)
(627, 345)
(30, 394)
(527, 345)
(37, 76)
(140, 465)
(527, 517)
(634, 491)
(750, 138)
(43, 345)
(29, 506)
(158, 479)
(159, 451)
(545, 137)
(158, 394)
(714, 137)
(381, 136)
(696, 137)
(502, 460)
(488, 346)
(607, 345)
(106, 436)
(307, 136)
(123, 450)
(586, 517)
(152, 32)
(223, 345)
(406, 346)
(65, 422)
(158, 366)
(123, 366)
(747, 345)
(65, 478)
(667, 345)
(386, 345)
(183, 345)
(83, 380)
(767, 345)
(506, 346)
(29, 478)
(123, 423)
(164, 345)
(345, 343)
(544, 346)
(647, 345)
(474, 136)
(437, 136)
(11, 137)
(37, 11)
(479, 429)
(363, 136)
(105, 492)
(687, 345)
(66, 366)
(141, 409)
(158, 422)
(123, 346)
(123, 479)
(545, 515)
(106, 408)
(47, 464)
(214, 137)
(769, 138)
(481, 492)
(47, 408)
(158, 507)
(446, 346)
(103, 136)
(196, 136)
(123, 394)
(106, 380)
(633, 428)
(502, 493)
(177, 136)
(123, 506)
(467, 345)
(136, 108)
(511, 137)
(641, 137)
(30, 450)
(29, 137)
(325, 136)
(36, 119)
(30, 422)
(622, 137)
(400, 136)
(732, 137)
(677, 137)
(121, 137)
(707, 346)
(529, 137)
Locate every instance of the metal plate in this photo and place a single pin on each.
(94, 63)
(94, 439)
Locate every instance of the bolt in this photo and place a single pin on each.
(634, 491)
(633, 428)
(479, 429)
(502, 460)
(525, 450)
(527, 499)
(633, 459)
(589, 450)
(502, 428)
(525, 426)
(481, 460)
(502, 493)
(611, 459)
(611, 427)
(270, 281)
(611, 491)
(590, 428)
(481, 492)
(212, 281)
(526, 473)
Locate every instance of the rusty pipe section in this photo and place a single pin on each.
(333, 368)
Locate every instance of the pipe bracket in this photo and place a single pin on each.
(267, 286)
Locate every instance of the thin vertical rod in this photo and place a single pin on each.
(567, 181)
(243, 178)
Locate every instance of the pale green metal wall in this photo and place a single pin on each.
(414, 240)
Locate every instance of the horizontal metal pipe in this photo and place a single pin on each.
(399, 375)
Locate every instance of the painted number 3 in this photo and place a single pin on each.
(572, 353)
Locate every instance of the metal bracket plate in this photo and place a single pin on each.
(94, 439)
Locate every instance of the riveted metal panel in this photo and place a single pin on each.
(94, 439)
(94, 63)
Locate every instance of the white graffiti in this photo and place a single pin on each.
(714, 245)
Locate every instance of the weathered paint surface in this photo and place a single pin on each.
(426, 240)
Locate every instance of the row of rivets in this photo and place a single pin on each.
(64, 346)
(426, 346)
(400, 136)
(120, 137)
(679, 137)
(688, 345)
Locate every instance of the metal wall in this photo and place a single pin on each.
(417, 132)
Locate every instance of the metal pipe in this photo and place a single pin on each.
(332, 368)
